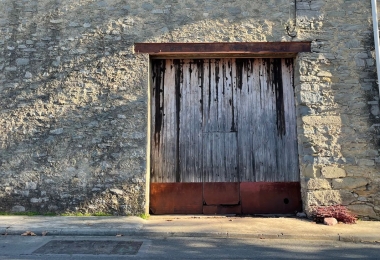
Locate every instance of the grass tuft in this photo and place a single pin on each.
(27, 213)
(144, 216)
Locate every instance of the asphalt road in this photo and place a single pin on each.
(21, 247)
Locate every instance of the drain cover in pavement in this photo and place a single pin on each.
(91, 247)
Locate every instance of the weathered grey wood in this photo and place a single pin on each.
(156, 158)
(224, 120)
(290, 142)
(190, 138)
(219, 139)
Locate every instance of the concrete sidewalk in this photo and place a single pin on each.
(194, 226)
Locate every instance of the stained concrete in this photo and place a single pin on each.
(191, 226)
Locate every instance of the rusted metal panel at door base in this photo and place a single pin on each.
(221, 193)
(176, 198)
(221, 209)
(270, 197)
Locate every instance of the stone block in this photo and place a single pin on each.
(234, 10)
(352, 43)
(332, 172)
(366, 162)
(147, 6)
(370, 62)
(330, 221)
(360, 62)
(310, 98)
(316, 4)
(30, 185)
(363, 210)
(322, 120)
(22, 61)
(329, 197)
(35, 200)
(318, 184)
(57, 131)
(308, 14)
(116, 191)
(324, 74)
(349, 183)
(310, 171)
(18, 209)
(301, 215)
(28, 75)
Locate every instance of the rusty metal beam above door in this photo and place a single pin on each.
(218, 48)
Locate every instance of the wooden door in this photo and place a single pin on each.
(223, 131)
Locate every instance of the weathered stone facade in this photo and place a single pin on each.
(74, 96)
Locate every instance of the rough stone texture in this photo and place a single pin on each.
(330, 221)
(329, 197)
(333, 172)
(311, 171)
(363, 210)
(18, 209)
(349, 183)
(318, 184)
(301, 215)
(74, 103)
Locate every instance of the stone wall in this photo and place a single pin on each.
(73, 109)
(337, 103)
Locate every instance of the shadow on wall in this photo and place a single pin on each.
(74, 104)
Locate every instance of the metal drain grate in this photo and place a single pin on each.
(90, 247)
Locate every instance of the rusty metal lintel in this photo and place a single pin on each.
(223, 48)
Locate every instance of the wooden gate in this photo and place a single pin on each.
(223, 137)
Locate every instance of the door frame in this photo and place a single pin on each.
(202, 51)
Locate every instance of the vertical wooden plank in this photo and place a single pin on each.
(230, 153)
(198, 122)
(246, 108)
(231, 148)
(157, 69)
(280, 119)
(206, 101)
(271, 170)
(210, 113)
(290, 140)
(242, 119)
(195, 107)
(234, 114)
(219, 145)
(187, 175)
(190, 136)
(169, 140)
(164, 122)
(184, 121)
(251, 118)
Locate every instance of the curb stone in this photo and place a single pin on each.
(359, 239)
(137, 233)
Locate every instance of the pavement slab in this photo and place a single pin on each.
(192, 226)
